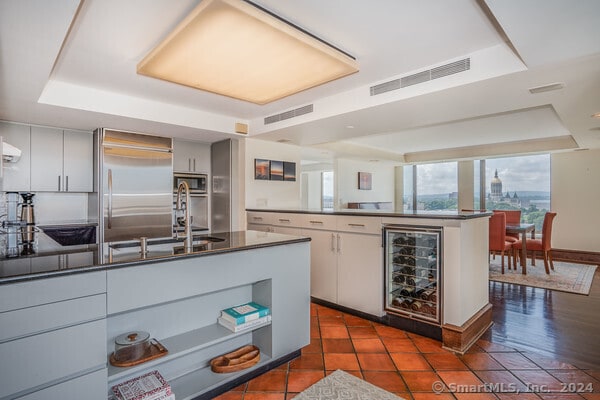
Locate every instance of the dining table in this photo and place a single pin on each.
(522, 229)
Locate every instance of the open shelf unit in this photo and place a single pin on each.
(191, 346)
(181, 345)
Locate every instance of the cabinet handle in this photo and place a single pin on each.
(194, 165)
(332, 242)
(257, 218)
(316, 222)
(284, 220)
(59, 183)
(359, 225)
(67, 183)
(189, 164)
(339, 244)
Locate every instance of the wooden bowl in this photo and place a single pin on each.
(237, 360)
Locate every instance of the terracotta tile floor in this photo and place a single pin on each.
(411, 365)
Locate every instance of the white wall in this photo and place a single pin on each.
(466, 185)
(272, 194)
(575, 198)
(346, 182)
(314, 189)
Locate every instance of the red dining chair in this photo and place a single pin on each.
(497, 232)
(544, 244)
(513, 217)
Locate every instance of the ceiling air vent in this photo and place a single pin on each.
(423, 76)
(289, 114)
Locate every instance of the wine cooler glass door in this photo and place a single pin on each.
(412, 272)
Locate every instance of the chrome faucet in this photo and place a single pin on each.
(183, 186)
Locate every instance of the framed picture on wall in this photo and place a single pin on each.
(364, 181)
(289, 171)
(261, 169)
(276, 170)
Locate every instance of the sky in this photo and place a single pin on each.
(524, 173)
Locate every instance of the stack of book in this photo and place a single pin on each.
(245, 316)
(150, 386)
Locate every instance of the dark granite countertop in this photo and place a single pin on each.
(124, 254)
(442, 214)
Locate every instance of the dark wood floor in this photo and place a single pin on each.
(560, 325)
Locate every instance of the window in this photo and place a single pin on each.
(522, 182)
(327, 190)
(435, 186)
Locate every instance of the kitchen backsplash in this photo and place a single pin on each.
(55, 208)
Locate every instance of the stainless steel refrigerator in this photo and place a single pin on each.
(133, 178)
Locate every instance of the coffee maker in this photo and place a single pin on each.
(27, 224)
(20, 226)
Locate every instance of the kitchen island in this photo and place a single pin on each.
(354, 268)
(58, 323)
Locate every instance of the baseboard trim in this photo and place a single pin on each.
(576, 256)
(460, 338)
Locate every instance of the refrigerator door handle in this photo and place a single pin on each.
(339, 244)
(110, 189)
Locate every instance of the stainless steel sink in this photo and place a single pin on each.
(199, 240)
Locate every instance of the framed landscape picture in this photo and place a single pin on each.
(364, 181)
(261, 169)
(276, 170)
(289, 171)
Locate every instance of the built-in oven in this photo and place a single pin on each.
(196, 182)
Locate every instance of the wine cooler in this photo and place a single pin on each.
(412, 272)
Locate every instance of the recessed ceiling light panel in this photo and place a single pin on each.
(234, 48)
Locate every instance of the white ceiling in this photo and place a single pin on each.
(72, 64)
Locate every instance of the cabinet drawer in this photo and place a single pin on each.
(42, 291)
(357, 224)
(31, 320)
(263, 218)
(41, 359)
(287, 219)
(90, 387)
(318, 221)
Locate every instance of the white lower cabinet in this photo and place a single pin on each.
(286, 230)
(51, 356)
(360, 272)
(52, 334)
(323, 265)
(346, 255)
(259, 227)
(89, 387)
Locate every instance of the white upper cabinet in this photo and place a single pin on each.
(16, 174)
(191, 157)
(61, 161)
(46, 159)
(78, 168)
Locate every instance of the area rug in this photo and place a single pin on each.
(566, 277)
(341, 385)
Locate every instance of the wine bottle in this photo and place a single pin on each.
(426, 294)
(397, 301)
(407, 291)
(399, 279)
(406, 270)
(406, 303)
(416, 305)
